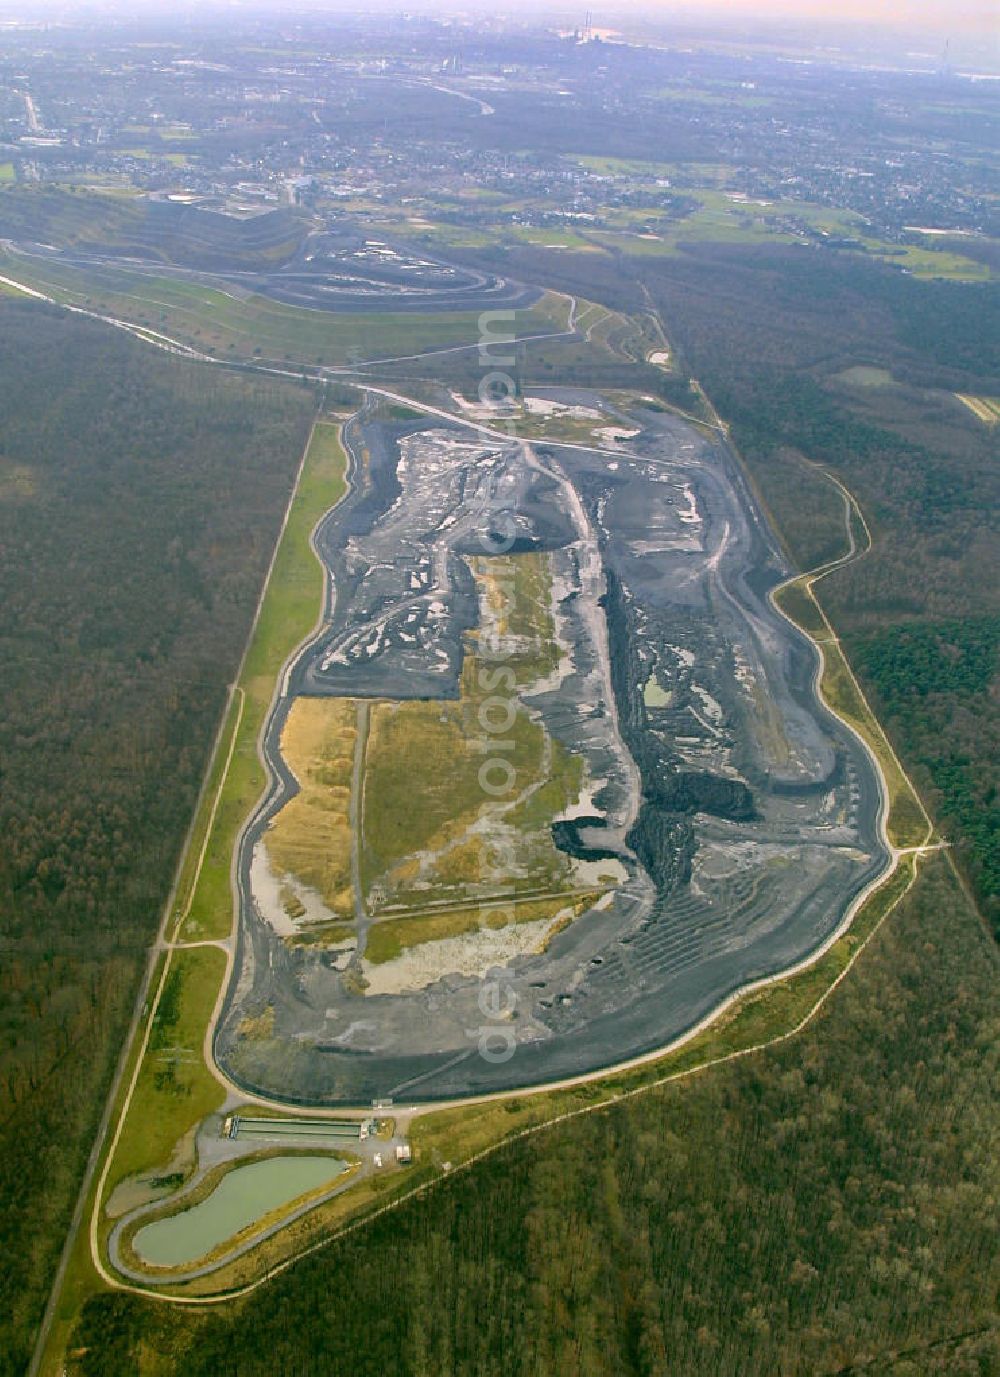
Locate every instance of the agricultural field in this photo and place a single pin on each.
(709, 208)
(985, 409)
(862, 375)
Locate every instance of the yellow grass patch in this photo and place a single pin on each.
(434, 837)
(985, 409)
(389, 938)
(310, 839)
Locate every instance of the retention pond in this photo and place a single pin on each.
(243, 1196)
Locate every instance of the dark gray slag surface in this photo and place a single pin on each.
(760, 816)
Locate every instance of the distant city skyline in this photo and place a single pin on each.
(914, 28)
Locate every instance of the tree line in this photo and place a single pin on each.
(139, 500)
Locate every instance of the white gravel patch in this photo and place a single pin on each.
(472, 954)
(613, 434)
(599, 873)
(267, 887)
(544, 406)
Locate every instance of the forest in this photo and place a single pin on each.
(936, 684)
(139, 502)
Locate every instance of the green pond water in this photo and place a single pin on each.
(241, 1197)
(654, 696)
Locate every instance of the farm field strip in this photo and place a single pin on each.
(985, 409)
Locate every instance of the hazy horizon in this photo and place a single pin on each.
(921, 31)
(903, 14)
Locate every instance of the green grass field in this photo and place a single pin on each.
(95, 211)
(389, 939)
(926, 262)
(861, 375)
(722, 219)
(211, 320)
(426, 754)
(175, 1090)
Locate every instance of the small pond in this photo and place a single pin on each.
(244, 1195)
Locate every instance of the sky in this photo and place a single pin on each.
(963, 19)
(919, 14)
